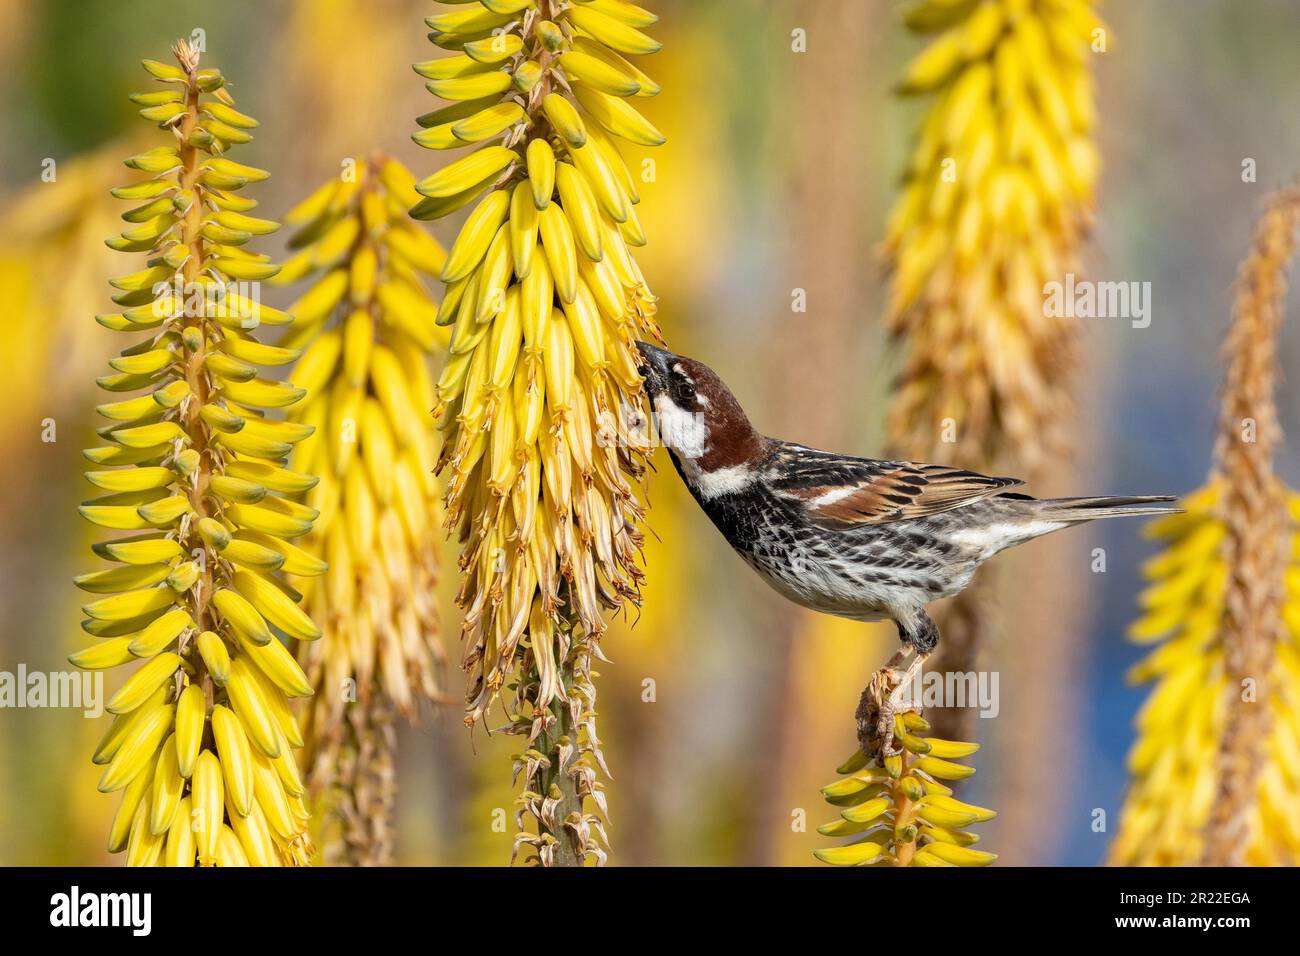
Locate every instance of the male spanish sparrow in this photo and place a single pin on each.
(856, 537)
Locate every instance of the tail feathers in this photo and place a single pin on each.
(1088, 509)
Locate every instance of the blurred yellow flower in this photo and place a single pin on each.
(996, 197)
(371, 392)
(1216, 766)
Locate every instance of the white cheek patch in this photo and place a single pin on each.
(682, 431)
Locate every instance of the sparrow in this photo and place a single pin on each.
(860, 538)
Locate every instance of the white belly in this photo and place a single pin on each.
(822, 588)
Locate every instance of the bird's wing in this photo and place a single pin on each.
(840, 492)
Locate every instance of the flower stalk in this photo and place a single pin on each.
(541, 401)
(202, 740)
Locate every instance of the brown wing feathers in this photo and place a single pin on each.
(897, 491)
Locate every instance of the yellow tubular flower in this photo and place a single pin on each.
(367, 327)
(996, 197)
(540, 401)
(1216, 766)
(201, 744)
(898, 810)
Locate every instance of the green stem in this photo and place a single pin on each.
(568, 850)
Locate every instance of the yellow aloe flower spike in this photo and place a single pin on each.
(202, 736)
(363, 354)
(1214, 766)
(540, 401)
(995, 200)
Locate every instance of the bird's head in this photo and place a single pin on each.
(698, 419)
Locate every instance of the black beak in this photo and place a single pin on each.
(655, 365)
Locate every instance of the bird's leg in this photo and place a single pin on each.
(923, 637)
(876, 709)
(900, 655)
(896, 700)
(883, 698)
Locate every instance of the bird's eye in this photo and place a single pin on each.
(681, 391)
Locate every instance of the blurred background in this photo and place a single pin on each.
(723, 709)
